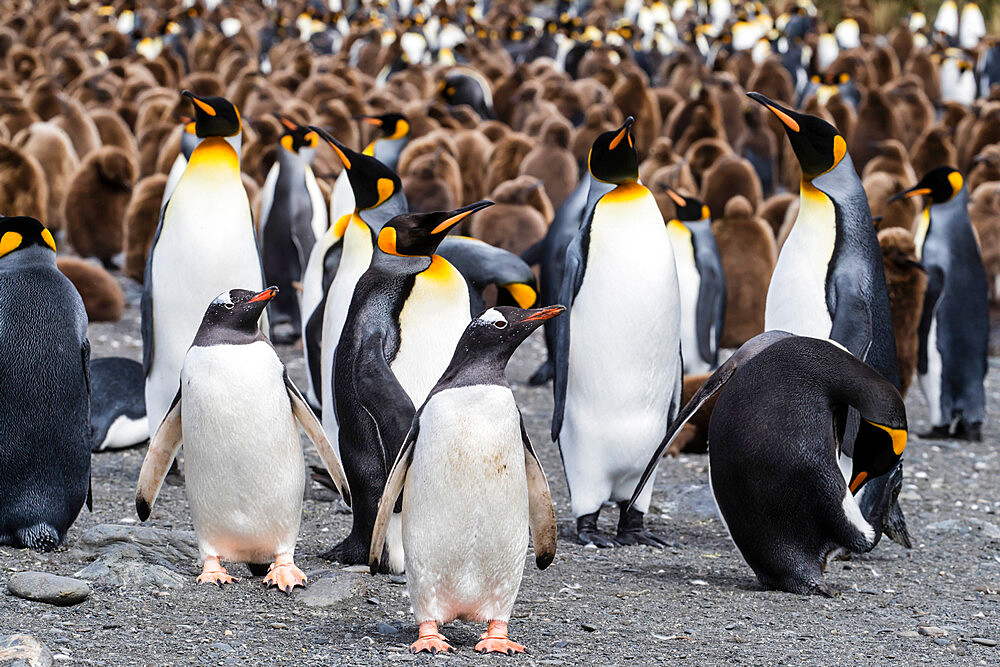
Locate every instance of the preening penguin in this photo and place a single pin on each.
(45, 391)
(466, 454)
(701, 281)
(954, 326)
(613, 402)
(407, 313)
(786, 498)
(236, 403)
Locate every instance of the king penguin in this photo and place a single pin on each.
(204, 243)
(467, 454)
(829, 281)
(955, 326)
(613, 402)
(702, 283)
(773, 462)
(408, 311)
(236, 412)
(45, 391)
(189, 139)
(293, 215)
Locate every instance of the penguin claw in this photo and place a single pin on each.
(212, 572)
(430, 640)
(284, 575)
(495, 640)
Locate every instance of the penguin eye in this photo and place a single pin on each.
(500, 324)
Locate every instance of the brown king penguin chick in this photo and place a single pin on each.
(702, 154)
(759, 146)
(892, 158)
(880, 187)
(877, 121)
(551, 161)
(730, 176)
(474, 150)
(515, 222)
(114, 131)
(693, 437)
(661, 154)
(55, 154)
(632, 96)
(431, 181)
(141, 218)
(81, 130)
(102, 295)
(933, 149)
(597, 120)
(23, 190)
(94, 208)
(749, 253)
(906, 283)
(986, 167)
(984, 214)
(505, 160)
(983, 132)
(774, 210)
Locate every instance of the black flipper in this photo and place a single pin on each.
(711, 294)
(381, 395)
(390, 494)
(572, 278)
(146, 304)
(852, 323)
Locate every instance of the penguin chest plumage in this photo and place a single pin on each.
(465, 507)
(244, 468)
(689, 284)
(797, 295)
(431, 321)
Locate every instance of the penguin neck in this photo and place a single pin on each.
(215, 152)
(188, 143)
(387, 151)
(400, 265)
(32, 257)
(376, 217)
(470, 367)
(290, 164)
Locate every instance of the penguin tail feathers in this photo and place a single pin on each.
(40, 537)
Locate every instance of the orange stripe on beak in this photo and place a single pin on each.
(340, 154)
(377, 122)
(617, 140)
(266, 295)
(917, 193)
(203, 106)
(545, 314)
(862, 476)
(680, 201)
(287, 123)
(789, 122)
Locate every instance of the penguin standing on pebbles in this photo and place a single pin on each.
(955, 325)
(236, 413)
(44, 390)
(613, 402)
(471, 487)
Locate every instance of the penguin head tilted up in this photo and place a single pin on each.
(297, 139)
(817, 144)
(688, 209)
(939, 185)
(21, 233)
(419, 234)
(214, 116)
(613, 158)
(387, 148)
(233, 317)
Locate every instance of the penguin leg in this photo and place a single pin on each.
(937, 433)
(586, 531)
(430, 640)
(495, 640)
(966, 430)
(543, 374)
(284, 574)
(632, 531)
(212, 572)
(174, 476)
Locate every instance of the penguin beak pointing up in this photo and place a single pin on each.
(623, 133)
(337, 147)
(459, 214)
(264, 296)
(680, 201)
(780, 112)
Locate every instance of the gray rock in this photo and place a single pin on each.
(331, 590)
(50, 588)
(691, 500)
(931, 631)
(907, 634)
(385, 628)
(24, 651)
(991, 530)
(168, 548)
(983, 641)
(116, 569)
(221, 646)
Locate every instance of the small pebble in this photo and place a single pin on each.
(50, 588)
(397, 579)
(941, 641)
(588, 627)
(562, 643)
(983, 641)
(931, 631)
(385, 628)
(278, 626)
(907, 634)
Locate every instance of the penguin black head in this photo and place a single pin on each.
(234, 315)
(940, 184)
(373, 183)
(688, 209)
(498, 331)
(214, 116)
(20, 232)
(613, 158)
(877, 448)
(296, 136)
(817, 144)
(418, 234)
(393, 125)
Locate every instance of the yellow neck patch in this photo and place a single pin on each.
(898, 436)
(215, 152)
(340, 227)
(49, 241)
(369, 150)
(440, 270)
(677, 227)
(9, 242)
(385, 188)
(402, 129)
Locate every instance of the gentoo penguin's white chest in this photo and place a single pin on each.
(796, 297)
(689, 284)
(431, 321)
(244, 469)
(465, 506)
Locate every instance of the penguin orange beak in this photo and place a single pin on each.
(779, 111)
(265, 296)
(912, 192)
(680, 201)
(337, 147)
(377, 122)
(205, 107)
(460, 214)
(287, 122)
(543, 314)
(622, 134)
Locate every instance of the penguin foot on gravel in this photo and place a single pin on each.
(937, 433)
(284, 574)
(971, 431)
(586, 532)
(212, 572)
(430, 640)
(631, 530)
(495, 640)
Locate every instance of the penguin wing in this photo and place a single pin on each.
(852, 321)
(85, 358)
(711, 387)
(315, 431)
(541, 512)
(146, 304)
(708, 313)
(393, 487)
(935, 285)
(572, 277)
(162, 450)
(381, 395)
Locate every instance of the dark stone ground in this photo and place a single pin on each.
(693, 603)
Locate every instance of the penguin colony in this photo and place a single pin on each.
(788, 218)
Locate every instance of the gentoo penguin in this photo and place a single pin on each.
(467, 454)
(378, 196)
(45, 391)
(205, 242)
(783, 494)
(236, 412)
(407, 313)
(117, 405)
(955, 324)
(829, 281)
(293, 215)
(189, 139)
(701, 281)
(613, 402)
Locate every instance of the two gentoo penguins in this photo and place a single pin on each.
(466, 455)
(613, 401)
(236, 413)
(775, 467)
(829, 281)
(955, 327)
(44, 390)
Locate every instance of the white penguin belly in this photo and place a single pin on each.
(623, 354)
(930, 382)
(320, 221)
(125, 432)
(689, 284)
(244, 470)
(431, 322)
(206, 247)
(176, 171)
(465, 507)
(312, 294)
(796, 297)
